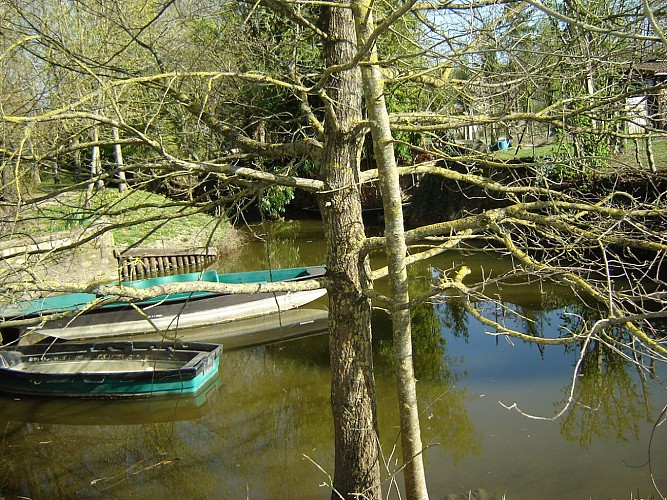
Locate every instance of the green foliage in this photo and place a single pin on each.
(275, 199)
(404, 148)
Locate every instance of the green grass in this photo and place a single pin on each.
(626, 157)
(659, 153)
(137, 218)
(529, 152)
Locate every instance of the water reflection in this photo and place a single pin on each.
(108, 412)
(274, 245)
(271, 408)
(444, 417)
(269, 420)
(611, 399)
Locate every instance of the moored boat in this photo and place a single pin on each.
(108, 369)
(160, 314)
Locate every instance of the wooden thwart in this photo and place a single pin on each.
(138, 263)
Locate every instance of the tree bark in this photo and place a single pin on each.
(95, 167)
(383, 148)
(118, 152)
(9, 191)
(353, 398)
(650, 156)
(76, 159)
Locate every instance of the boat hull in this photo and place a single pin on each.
(166, 314)
(170, 317)
(108, 369)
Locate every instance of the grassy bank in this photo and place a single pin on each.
(136, 218)
(630, 156)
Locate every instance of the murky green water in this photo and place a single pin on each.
(265, 431)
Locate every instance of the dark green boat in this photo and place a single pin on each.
(108, 369)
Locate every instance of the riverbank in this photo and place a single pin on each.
(436, 199)
(58, 239)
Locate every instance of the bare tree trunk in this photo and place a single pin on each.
(650, 156)
(11, 173)
(638, 154)
(353, 398)
(118, 151)
(9, 191)
(78, 169)
(94, 168)
(383, 147)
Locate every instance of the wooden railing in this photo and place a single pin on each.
(138, 263)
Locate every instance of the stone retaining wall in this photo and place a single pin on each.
(47, 258)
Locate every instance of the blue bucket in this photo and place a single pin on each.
(503, 144)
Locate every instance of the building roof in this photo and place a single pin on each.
(658, 67)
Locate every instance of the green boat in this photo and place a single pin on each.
(160, 314)
(108, 369)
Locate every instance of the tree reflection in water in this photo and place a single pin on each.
(269, 421)
(608, 403)
(445, 420)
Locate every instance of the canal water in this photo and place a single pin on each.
(264, 429)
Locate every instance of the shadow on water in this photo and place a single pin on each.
(266, 430)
